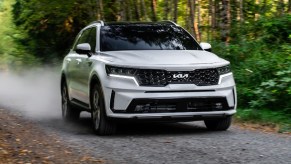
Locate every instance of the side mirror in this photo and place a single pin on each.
(205, 46)
(84, 48)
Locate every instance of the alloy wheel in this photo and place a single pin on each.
(64, 102)
(96, 109)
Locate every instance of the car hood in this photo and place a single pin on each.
(161, 57)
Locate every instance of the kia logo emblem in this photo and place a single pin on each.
(180, 76)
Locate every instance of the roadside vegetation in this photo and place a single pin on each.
(254, 35)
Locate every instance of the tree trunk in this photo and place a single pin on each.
(209, 20)
(280, 7)
(93, 9)
(217, 13)
(289, 6)
(234, 10)
(212, 14)
(154, 10)
(241, 14)
(166, 10)
(263, 8)
(225, 23)
(257, 13)
(122, 15)
(192, 17)
(109, 10)
(175, 18)
(128, 11)
(198, 33)
(144, 10)
(136, 10)
(100, 11)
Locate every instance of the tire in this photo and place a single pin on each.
(101, 124)
(219, 124)
(68, 112)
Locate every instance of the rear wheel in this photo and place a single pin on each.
(219, 124)
(68, 112)
(101, 124)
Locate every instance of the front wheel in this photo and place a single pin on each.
(219, 124)
(68, 112)
(101, 124)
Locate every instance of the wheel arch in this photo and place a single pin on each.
(63, 80)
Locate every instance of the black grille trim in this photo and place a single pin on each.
(112, 97)
(176, 91)
(176, 105)
(159, 78)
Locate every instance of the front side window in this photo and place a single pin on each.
(92, 39)
(146, 37)
(84, 37)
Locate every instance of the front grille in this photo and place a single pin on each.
(177, 105)
(147, 77)
(199, 77)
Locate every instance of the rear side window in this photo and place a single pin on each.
(146, 37)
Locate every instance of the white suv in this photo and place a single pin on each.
(153, 71)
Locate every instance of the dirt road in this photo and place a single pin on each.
(166, 143)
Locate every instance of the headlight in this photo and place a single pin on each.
(112, 70)
(224, 70)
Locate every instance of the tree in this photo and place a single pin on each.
(241, 13)
(144, 10)
(175, 14)
(225, 23)
(289, 6)
(198, 33)
(111, 10)
(154, 10)
(280, 7)
(122, 14)
(128, 12)
(136, 10)
(167, 10)
(51, 31)
(192, 16)
(100, 9)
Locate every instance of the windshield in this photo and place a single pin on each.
(146, 37)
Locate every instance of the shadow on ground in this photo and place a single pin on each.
(83, 127)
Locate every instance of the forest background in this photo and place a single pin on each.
(254, 35)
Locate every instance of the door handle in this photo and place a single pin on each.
(68, 60)
(79, 61)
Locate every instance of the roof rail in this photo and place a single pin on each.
(171, 22)
(98, 21)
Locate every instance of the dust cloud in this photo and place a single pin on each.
(34, 92)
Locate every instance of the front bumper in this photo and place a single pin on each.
(120, 94)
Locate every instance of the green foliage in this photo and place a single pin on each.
(261, 62)
(274, 93)
(12, 54)
(51, 28)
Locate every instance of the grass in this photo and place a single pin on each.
(280, 119)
